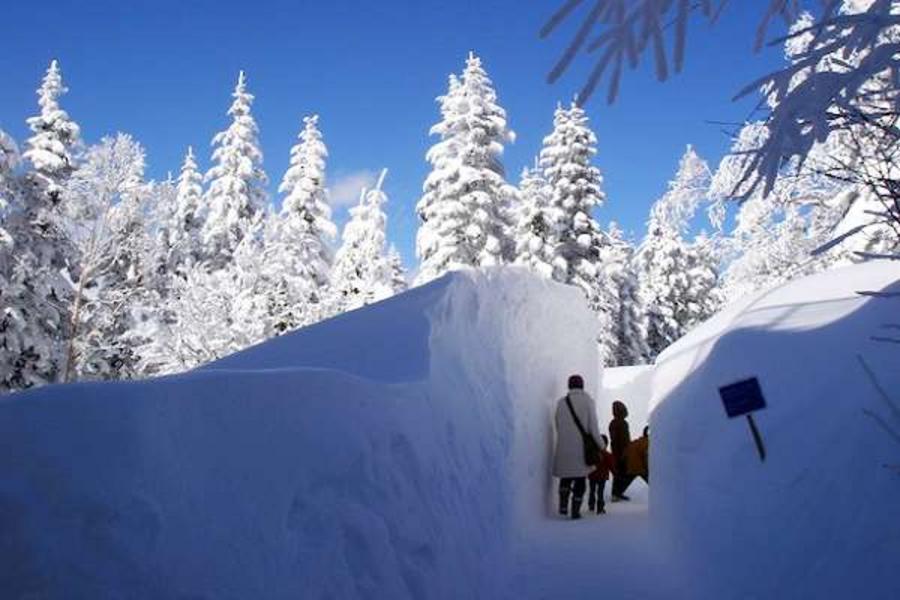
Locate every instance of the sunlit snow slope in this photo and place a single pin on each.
(381, 454)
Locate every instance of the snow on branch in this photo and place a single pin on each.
(843, 79)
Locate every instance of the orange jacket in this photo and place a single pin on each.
(636, 457)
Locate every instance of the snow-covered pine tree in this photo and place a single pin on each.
(237, 182)
(678, 284)
(574, 193)
(534, 234)
(187, 217)
(36, 298)
(104, 200)
(152, 299)
(298, 244)
(678, 280)
(51, 151)
(9, 161)
(399, 282)
(465, 207)
(363, 272)
(198, 324)
(210, 314)
(577, 240)
(630, 323)
(10, 326)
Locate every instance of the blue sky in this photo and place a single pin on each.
(163, 71)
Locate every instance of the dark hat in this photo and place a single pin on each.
(576, 382)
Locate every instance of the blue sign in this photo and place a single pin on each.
(742, 397)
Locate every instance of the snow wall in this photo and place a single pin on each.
(398, 451)
(818, 518)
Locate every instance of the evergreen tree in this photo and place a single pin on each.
(678, 285)
(37, 294)
(184, 229)
(13, 327)
(577, 240)
(51, 151)
(575, 191)
(630, 323)
(209, 314)
(534, 235)
(9, 161)
(464, 210)
(399, 282)
(237, 182)
(298, 247)
(363, 271)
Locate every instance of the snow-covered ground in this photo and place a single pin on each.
(402, 451)
(818, 518)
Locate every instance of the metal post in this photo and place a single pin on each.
(757, 438)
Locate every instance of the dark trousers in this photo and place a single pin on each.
(595, 497)
(574, 487)
(621, 479)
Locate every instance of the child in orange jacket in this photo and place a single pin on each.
(599, 476)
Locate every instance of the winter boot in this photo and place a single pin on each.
(592, 502)
(564, 502)
(576, 507)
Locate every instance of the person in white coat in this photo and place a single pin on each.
(568, 459)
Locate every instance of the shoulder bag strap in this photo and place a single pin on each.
(574, 416)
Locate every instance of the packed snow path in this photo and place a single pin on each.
(615, 555)
(402, 451)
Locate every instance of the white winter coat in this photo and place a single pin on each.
(568, 459)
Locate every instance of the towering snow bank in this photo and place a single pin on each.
(818, 518)
(394, 452)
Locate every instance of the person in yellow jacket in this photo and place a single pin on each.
(637, 455)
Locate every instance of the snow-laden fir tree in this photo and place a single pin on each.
(36, 298)
(210, 314)
(399, 282)
(12, 326)
(237, 182)
(574, 193)
(363, 272)
(630, 323)
(185, 226)
(534, 234)
(298, 245)
(105, 205)
(465, 207)
(577, 240)
(9, 161)
(51, 150)
(176, 219)
(677, 279)
(678, 284)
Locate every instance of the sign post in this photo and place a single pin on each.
(744, 398)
